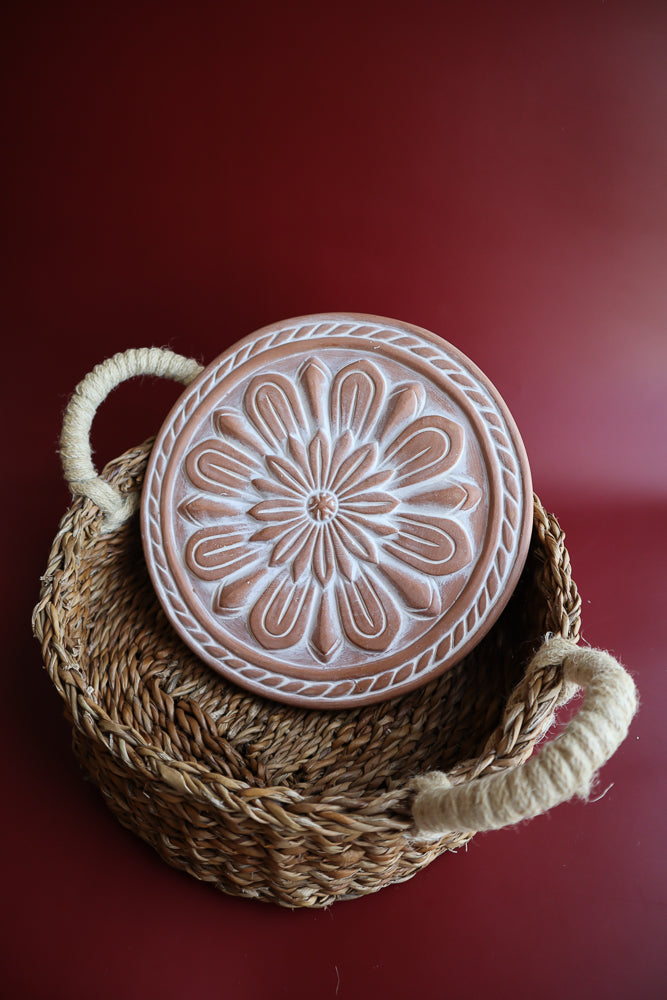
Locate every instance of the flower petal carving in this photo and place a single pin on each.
(405, 403)
(370, 504)
(289, 544)
(344, 561)
(217, 552)
(432, 545)
(326, 637)
(287, 473)
(275, 488)
(278, 619)
(274, 407)
(473, 495)
(357, 465)
(319, 453)
(304, 553)
(205, 508)
(233, 594)
(428, 447)
(361, 486)
(457, 496)
(300, 457)
(230, 423)
(375, 524)
(354, 539)
(323, 555)
(341, 450)
(418, 593)
(357, 393)
(276, 529)
(368, 614)
(276, 510)
(315, 376)
(219, 467)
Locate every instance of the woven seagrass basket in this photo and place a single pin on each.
(300, 806)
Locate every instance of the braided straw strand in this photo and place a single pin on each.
(75, 449)
(564, 768)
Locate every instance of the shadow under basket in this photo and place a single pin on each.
(264, 800)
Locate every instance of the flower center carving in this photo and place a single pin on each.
(322, 506)
(329, 509)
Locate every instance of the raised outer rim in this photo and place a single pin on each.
(499, 602)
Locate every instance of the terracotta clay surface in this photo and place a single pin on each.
(336, 510)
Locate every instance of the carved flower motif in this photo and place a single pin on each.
(328, 508)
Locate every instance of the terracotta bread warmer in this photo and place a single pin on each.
(325, 649)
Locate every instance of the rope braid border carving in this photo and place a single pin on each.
(498, 572)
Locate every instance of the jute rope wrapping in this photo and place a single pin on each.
(564, 768)
(75, 447)
(294, 806)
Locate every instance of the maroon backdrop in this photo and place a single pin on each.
(181, 174)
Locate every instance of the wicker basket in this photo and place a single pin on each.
(301, 807)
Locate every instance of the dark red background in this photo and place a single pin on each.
(181, 174)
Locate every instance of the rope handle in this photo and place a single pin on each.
(75, 449)
(563, 768)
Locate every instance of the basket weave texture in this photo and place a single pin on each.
(301, 807)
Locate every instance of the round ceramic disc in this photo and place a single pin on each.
(336, 510)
